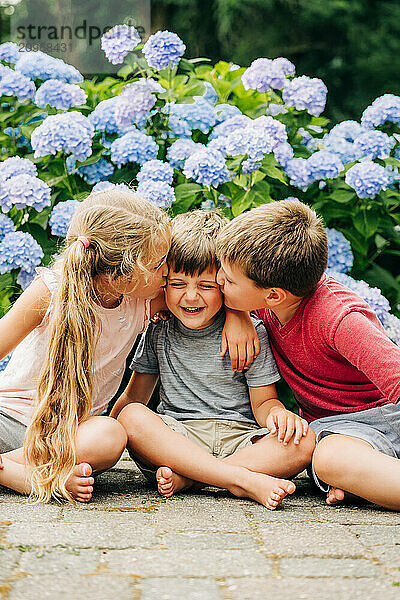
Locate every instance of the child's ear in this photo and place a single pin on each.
(275, 295)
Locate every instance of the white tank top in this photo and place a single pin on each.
(119, 329)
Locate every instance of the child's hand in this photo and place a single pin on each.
(162, 315)
(286, 424)
(239, 336)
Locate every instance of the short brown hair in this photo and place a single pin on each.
(193, 244)
(282, 244)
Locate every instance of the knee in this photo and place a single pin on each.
(134, 417)
(327, 458)
(306, 448)
(112, 435)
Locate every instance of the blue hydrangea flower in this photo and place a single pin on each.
(132, 109)
(265, 74)
(9, 52)
(306, 93)
(6, 225)
(373, 296)
(392, 326)
(180, 150)
(348, 130)
(163, 49)
(69, 132)
(103, 116)
(324, 165)
(178, 127)
(251, 141)
(19, 250)
(38, 65)
(223, 112)
(283, 153)
(157, 171)
(24, 190)
(373, 144)
(340, 256)
(343, 149)
(385, 108)
(4, 361)
(272, 128)
(17, 166)
(207, 167)
(61, 216)
(200, 114)
(59, 94)
(96, 172)
(158, 192)
(219, 144)
(15, 84)
(250, 165)
(274, 109)
(367, 179)
(298, 172)
(107, 185)
(230, 125)
(118, 41)
(135, 147)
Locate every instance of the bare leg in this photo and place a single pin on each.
(92, 457)
(350, 464)
(153, 441)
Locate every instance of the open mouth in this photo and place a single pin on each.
(192, 311)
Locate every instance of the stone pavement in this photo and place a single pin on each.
(131, 544)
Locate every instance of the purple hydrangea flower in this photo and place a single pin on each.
(6, 225)
(373, 144)
(9, 52)
(340, 256)
(16, 166)
(24, 190)
(367, 179)
(15, 84)
(38, 65)
(305, 93)
(118, 41)
(163, 49)
(324, 165)
(69, 132)
(135, 147)
(283, 153)
(156, 170)
(207, 167)
(223, 112)
(180, 150)
(96, 172)
(61, 216)
(385, 108)
(158, 192)
(265, 74)
(107, 185)
(298, 172)
(19, 250)
(59, 94)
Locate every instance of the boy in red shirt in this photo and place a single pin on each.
(329, 346)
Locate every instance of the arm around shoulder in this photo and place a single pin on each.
(25, 315)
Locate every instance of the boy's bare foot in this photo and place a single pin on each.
(334, 496)
(80, 483)
(169, 483)
(268, 491)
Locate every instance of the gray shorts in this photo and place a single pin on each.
(12, 433)
(378, 426)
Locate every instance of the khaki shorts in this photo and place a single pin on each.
(218, 437)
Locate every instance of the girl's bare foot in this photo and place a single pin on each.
(80, 483)
(268, 491)
(169, 483)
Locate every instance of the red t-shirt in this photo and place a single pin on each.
(334, 353)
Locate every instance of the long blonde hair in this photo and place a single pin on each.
(123, 231)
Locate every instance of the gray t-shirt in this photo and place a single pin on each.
(196, 382)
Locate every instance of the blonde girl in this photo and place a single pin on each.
(72, 330)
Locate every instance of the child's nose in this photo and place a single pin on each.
(191, 293)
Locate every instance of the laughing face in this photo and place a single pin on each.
(194, 299)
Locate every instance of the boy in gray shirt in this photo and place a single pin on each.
(214, 425)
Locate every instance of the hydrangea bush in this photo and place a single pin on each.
(190, 134)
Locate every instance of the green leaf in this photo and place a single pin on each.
(366, 221)
(125, 71)
(241, 202)
(342, 196)
(186, 195)
(91, 160)
(270, 167)
(261, 192)
(41, 218)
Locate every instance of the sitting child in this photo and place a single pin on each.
(208, 412)
(329, 346)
